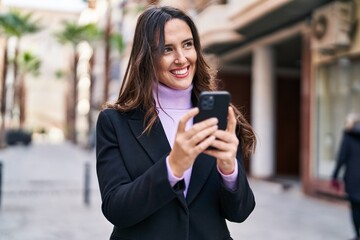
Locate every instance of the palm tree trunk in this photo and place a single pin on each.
(67, 97)
(16, 56)
(107, 55)
(15, 103)
(91, 97)
(21, 100)
(3, 96)
(73, 104)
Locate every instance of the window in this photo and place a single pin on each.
(337, 94)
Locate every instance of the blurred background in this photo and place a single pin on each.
(292, 67)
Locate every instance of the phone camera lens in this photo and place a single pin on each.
(208, 103)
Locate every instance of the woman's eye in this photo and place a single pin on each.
(188, 44)
(167, 49)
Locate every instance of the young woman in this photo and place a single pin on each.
(156, 176)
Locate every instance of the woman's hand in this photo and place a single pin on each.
(226, 145)
(190, 143)
(335, 184)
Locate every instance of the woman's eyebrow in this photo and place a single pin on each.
(184, 41)
(187, 40)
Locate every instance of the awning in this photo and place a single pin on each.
(262, 18)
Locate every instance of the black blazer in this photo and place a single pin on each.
(349, 157)
(136, 194)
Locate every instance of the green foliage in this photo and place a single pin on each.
(74, 33)
(117, 41)
(29, 63)
(59, 74)
(15, 23)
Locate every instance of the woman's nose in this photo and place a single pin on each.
(180, 57)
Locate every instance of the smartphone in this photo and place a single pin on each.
(214, 104)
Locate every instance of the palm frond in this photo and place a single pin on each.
(74, 33)
(15, 23)
(29, 63)
(117, 41)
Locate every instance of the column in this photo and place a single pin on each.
(263, 111)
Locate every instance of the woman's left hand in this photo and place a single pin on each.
(226, 145)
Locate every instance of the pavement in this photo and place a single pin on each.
(43, 198)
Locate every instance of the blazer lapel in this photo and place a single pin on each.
(155, 143)
(202, 168)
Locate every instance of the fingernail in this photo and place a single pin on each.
(214, 120)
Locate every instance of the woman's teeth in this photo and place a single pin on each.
(180, 72)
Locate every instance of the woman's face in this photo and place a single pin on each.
(177, 64)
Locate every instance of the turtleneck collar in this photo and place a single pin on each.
(171, 98)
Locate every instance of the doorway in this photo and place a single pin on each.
(288, 88)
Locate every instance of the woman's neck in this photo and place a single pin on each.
(169, 98)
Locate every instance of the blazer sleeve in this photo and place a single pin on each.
(342, 156)
(126, 201)
(237, 205)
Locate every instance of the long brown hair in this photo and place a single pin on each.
(137, 87)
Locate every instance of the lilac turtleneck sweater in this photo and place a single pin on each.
(174, 104)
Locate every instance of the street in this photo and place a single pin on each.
(43, 199)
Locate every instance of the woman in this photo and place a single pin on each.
(349, 157)
(157, 180)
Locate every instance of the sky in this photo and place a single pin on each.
(58, 5)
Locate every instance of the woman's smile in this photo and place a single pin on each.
(181, 72)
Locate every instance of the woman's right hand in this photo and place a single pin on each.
(335, 184)
(190, 143)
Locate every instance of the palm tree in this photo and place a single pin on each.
(28, 64)
(107, 62)
(114, 39)
(73, 34)
(13, 24)
(3, 97)
(17, 24)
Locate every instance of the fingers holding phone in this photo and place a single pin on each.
(231, 121)
(213, 133)
(225, 145)
(190, 143)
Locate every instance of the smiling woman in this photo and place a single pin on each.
(157, 178)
